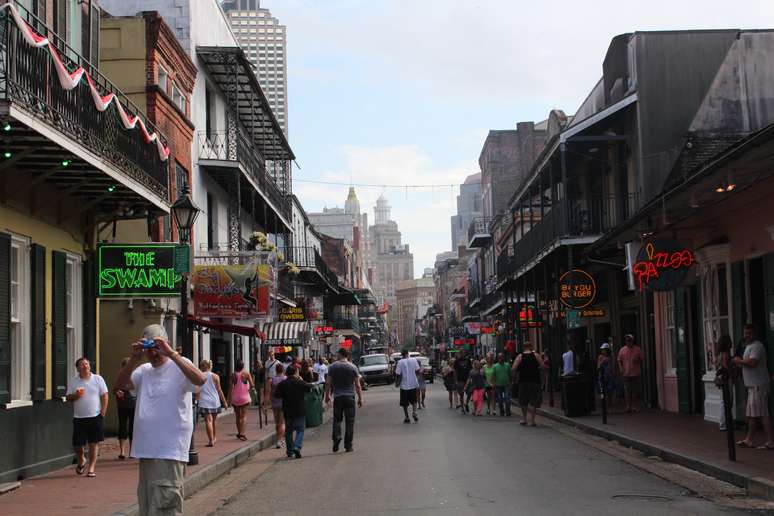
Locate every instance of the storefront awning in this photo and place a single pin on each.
(345, 297)
(248, 331)
(285, 333)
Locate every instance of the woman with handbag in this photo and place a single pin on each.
(239, 397)
(211, 401)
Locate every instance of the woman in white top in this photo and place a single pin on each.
(211, 399)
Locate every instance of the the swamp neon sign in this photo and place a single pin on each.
(662, 265)
(137, 270)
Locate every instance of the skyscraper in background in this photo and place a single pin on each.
(468, 207)
(264, 41)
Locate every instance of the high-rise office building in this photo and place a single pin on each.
(264, 41)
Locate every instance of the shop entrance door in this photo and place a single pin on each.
(221, 358)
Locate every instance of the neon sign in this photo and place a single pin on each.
(323, 331)
(662, 265)
(529, 318)
(577, 289)
(137, 270)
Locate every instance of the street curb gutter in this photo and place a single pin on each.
(209, 474)
(756, 486)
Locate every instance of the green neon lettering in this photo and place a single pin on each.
(126, 278)
(107, 279)
(142, 279)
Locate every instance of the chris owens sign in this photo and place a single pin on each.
(662, 265)
(577, 289)
(137, 270)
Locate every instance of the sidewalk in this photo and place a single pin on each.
(687, 440)
(114, 488)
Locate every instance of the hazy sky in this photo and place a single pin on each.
(403, 92)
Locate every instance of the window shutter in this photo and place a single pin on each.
(94, 20)
(38, 319)
(59, 334)
(5, 318)
(89, 276)
(60, 18)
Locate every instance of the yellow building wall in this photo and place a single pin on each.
(53, 239)
(122, 56)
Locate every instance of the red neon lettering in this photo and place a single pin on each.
(647, 270)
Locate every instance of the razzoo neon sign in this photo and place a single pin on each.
(662, 265)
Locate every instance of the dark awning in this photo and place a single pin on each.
(345, 297)
(229, 68)
(248, 331)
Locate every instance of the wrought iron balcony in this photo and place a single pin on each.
(568, 222)
(479, 233)
(232, 149)
(346, 323)
(311, 262)
(60, 137)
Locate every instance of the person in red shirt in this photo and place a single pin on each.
(630, 365)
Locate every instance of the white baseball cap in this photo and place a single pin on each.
(604, 345)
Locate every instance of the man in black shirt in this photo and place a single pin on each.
(462, 368)
(292, 392)
(343, 381)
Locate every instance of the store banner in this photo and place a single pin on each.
(233, 291)
(473, 328)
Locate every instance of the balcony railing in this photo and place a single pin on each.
(29, 81)
(346, 324)
(309, 258)
(478, 232)
(567, 219)
(285, 286)
(236, 147)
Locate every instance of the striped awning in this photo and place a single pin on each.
(285, 333)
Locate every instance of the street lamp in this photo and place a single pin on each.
(185, 212)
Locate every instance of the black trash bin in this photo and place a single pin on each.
(575, 400)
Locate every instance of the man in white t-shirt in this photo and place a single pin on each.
(407, 369)
(163, 419)
(321, 368)
(271, 364)
(89, 395)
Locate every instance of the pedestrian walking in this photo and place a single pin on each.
(292, 391)
(239, 397)
(343, 383)
(163, 419)
(502, 381)
(630, 364)
(271, 364)
(462, 368)
(276, 403)
(125, 403)
(755, 374)
(307, 371)
(488, 370)
(447, 371)
(321, 368)
(211, 401)
(477, 386)
(421, 386)
(528, 365)
(723, 367)
(406, 371)
(568, 360)
(89, 394)
(605, 375)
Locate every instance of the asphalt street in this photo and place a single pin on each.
(454, 464)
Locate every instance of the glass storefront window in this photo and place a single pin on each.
(715, 310)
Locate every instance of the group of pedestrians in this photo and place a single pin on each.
(491, 383)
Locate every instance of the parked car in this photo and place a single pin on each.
(375, 369)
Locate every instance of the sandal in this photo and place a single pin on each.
(91, 474)
(79, 469)
(767, 446)
(122, 457)
(242, 437)
(743, 444)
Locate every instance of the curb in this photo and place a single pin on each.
(209, 474)
(757, 486)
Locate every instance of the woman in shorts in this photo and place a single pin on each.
(241, 383)
(448, 382)
(528, 365)
(211, 401)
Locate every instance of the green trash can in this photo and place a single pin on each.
(314, 407)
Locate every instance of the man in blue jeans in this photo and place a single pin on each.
(344, 381)
(292, 393)
(502, 382)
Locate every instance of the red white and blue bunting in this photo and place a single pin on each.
(69, 80)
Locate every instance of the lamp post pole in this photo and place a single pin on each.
(185, 213)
